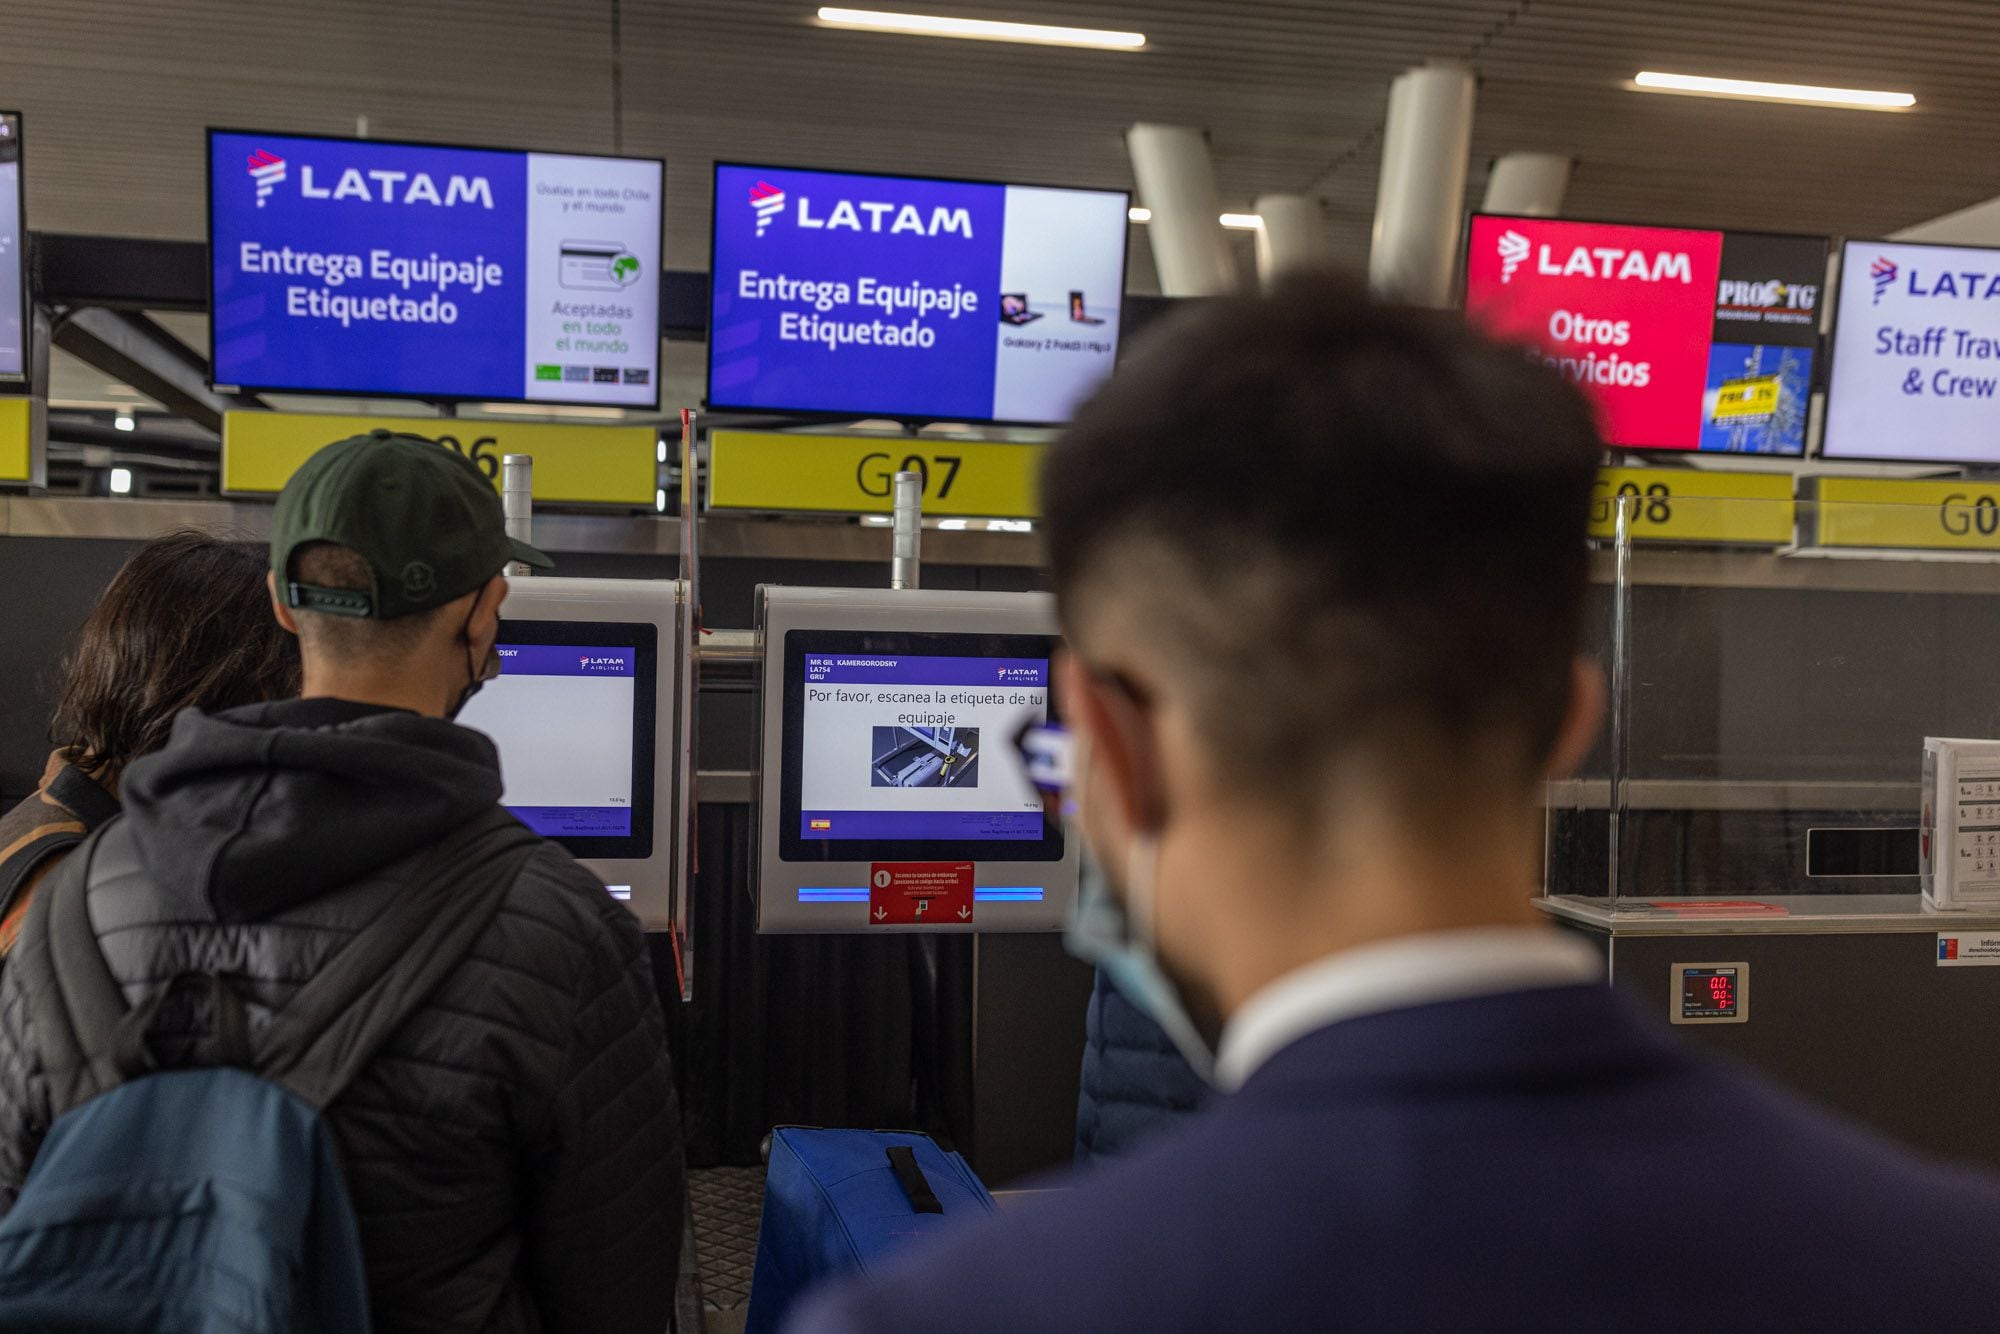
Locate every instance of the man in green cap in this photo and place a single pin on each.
(512, 1152)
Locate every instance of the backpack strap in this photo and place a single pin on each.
(19, 866)
(333, 1026)
(91, 1041)
(78, 793)
(67, 985)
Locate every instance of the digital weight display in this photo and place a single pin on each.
(1710, 993)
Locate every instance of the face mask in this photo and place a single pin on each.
(476, 675)
(1105, 933)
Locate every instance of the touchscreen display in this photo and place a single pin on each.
(562, 717)
(912, 746)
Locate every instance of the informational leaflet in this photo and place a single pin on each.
(1916, 354)
(912, 297)
(1693, 340)
(898, 746)
(13, 333)
(364, 267)
(561, 716)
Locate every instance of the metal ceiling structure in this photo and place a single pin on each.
(1293, 93)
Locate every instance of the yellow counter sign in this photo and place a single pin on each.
(1919, 515)
(574, 465)
(1674, 505)
(850, 474)
(17, 440)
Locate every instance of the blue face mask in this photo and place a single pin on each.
(1104, 933)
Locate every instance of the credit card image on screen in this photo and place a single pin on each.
(905, 745)
(371, 267)
(840, 293)
(1916, 355)
(571, 716)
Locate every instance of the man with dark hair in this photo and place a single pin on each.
(512, 1151)
(1322, 568)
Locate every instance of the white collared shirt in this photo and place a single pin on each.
(1394, 975)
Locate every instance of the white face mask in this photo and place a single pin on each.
(1119, 939)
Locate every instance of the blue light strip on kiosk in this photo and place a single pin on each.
(983, 894)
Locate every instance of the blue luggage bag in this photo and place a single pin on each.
(843, 1201)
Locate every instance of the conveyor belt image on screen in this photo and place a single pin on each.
(925, 757)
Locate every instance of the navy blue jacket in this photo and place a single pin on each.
(1543, 1160)
(1135, 1082)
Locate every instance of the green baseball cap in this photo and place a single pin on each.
(422, 515)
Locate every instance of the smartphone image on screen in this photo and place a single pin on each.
(1078, 313)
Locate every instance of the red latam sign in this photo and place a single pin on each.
(1624, 312)
(920, 893)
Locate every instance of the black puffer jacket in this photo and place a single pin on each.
(513, 1155)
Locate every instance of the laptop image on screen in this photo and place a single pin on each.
(1014, 309)
(1077, 313)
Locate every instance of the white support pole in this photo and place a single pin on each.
(1531, 184)
(1176, 179)
(1293, 235)
(1425, 145)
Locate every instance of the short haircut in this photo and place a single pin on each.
(1347, 534)
(352, 639)
(184, 624)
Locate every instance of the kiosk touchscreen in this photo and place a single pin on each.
(888, 757)
(583, 713)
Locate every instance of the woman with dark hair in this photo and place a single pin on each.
(186, 623)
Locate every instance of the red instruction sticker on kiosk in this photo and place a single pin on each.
(920, 893)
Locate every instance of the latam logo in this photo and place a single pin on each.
(586, 662)
(1964, 285)
(266, 170)
(867, 215)
(1033, 674)
(769, 201)
(375, 185)
(1883, 271)
(1513, 254)
(1615, 262)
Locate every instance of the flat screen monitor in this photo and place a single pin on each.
(1683, 340)
(14, 320)
(573, 714)
(1915, 370)
(843, 294)
(369, 267)
(900, 746)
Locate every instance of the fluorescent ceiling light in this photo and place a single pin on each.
(124, 421)
(121, 481)
(953, 525)
(985, 30)
(1242, 222)
(1697, 85)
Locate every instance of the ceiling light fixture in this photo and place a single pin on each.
(983, 30)
(121, 481)
(1242, 222)
(1696, 85)
(124, 421)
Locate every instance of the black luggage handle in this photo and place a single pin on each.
(903, 1161)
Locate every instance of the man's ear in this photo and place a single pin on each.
(1118, 734)
(1583, 719)
(485, 619)
(278, 607)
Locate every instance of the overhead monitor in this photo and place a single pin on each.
(368, 267)
(889, 728)
(843, 294)
(583, 713)
(1684, 340)
(14, 318)
(1915, 370)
